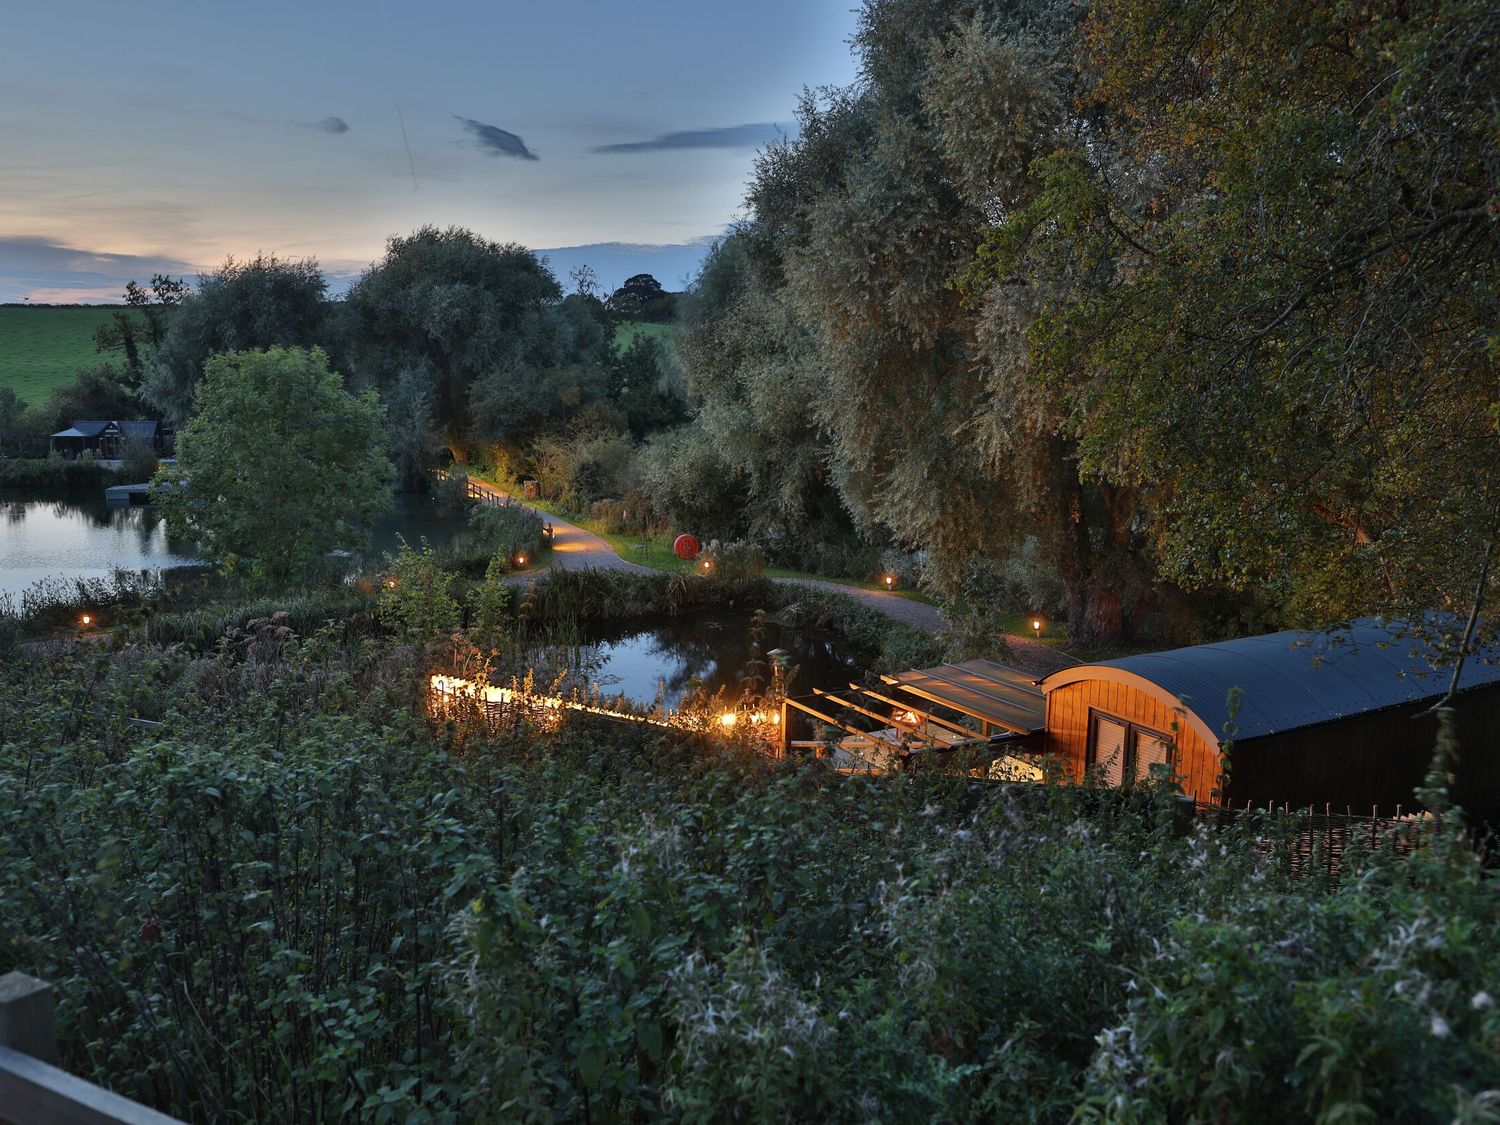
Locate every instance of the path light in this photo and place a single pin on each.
(1036, 627)
(890, 581)
(85, 620)
(708, 564)
(520, 560)
(728, 718)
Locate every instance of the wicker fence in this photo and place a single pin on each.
(1322, 844)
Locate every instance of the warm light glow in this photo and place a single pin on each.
(707, 564)
(910, 716)
(86, 619)
(728, 718)
(520, 560)
(890, 580)
(1037, 625)
(390, 583)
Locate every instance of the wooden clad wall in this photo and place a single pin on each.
(1068, 730)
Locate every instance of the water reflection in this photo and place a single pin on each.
(80, 536)
(670, 656)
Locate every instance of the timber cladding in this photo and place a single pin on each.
(1072, 707)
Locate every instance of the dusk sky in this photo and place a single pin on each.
(161, 138)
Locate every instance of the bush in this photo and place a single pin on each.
(736, 559)
(54, 473)
(138, 460)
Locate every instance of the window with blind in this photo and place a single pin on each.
(1123, 751)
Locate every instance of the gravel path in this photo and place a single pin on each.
(573, 548)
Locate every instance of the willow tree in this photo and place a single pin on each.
(753, 378)
(1295, 214)
(938, 424)
(455, 308)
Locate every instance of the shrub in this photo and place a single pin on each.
(416, 594)
(52, 473)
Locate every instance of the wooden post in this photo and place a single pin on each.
(28, 1016)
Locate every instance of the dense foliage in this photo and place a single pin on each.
(265, 302)
(279, 464)
(297, 898)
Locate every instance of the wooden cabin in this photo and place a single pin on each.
(107, 438)
(1307, 718)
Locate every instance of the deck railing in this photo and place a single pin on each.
(33, 1089)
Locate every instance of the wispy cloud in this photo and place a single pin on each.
(729, 136)
(497, 141)
(331, 124)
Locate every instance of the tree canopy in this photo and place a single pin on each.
(278, 463)
(454, 308)
(266, 302)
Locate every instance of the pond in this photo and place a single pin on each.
(78, 535)
(667, 657)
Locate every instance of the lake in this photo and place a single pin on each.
(80, 536)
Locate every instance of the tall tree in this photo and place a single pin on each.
(453, 307)
(279, 463)
(1294, 217)
(936, 422)
(261, 303)
(138, 329)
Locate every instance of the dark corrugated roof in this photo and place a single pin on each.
(1300, 678)
(89, 428)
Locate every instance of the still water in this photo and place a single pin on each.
(79, 536)
(666, 657)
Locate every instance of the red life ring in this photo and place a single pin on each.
(685, 547)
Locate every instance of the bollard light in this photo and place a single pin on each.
(1036, 627)
(890, 581)
(86, 620)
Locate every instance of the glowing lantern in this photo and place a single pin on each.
(890, 581)
(728, 718)
(1036, 627)
(86, 620)
(520, 560)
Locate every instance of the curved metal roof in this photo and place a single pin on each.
(1297, 678)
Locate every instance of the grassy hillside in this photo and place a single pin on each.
(42, 348)
(627, 332)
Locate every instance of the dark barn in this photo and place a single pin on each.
(1322, 719)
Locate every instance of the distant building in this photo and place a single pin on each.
(107, 439)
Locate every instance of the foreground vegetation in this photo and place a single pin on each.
(298, 896)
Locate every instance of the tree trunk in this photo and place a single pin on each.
(1096, 561)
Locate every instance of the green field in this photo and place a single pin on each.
(42, 348)
(626, 333)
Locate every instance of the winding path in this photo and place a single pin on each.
(573, 548)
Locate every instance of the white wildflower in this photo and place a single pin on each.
(1482, 1002)
(1439, 1027)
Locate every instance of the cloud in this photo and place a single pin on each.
(730, 136)
(44, 269)
(496, 141)
(331, 124)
